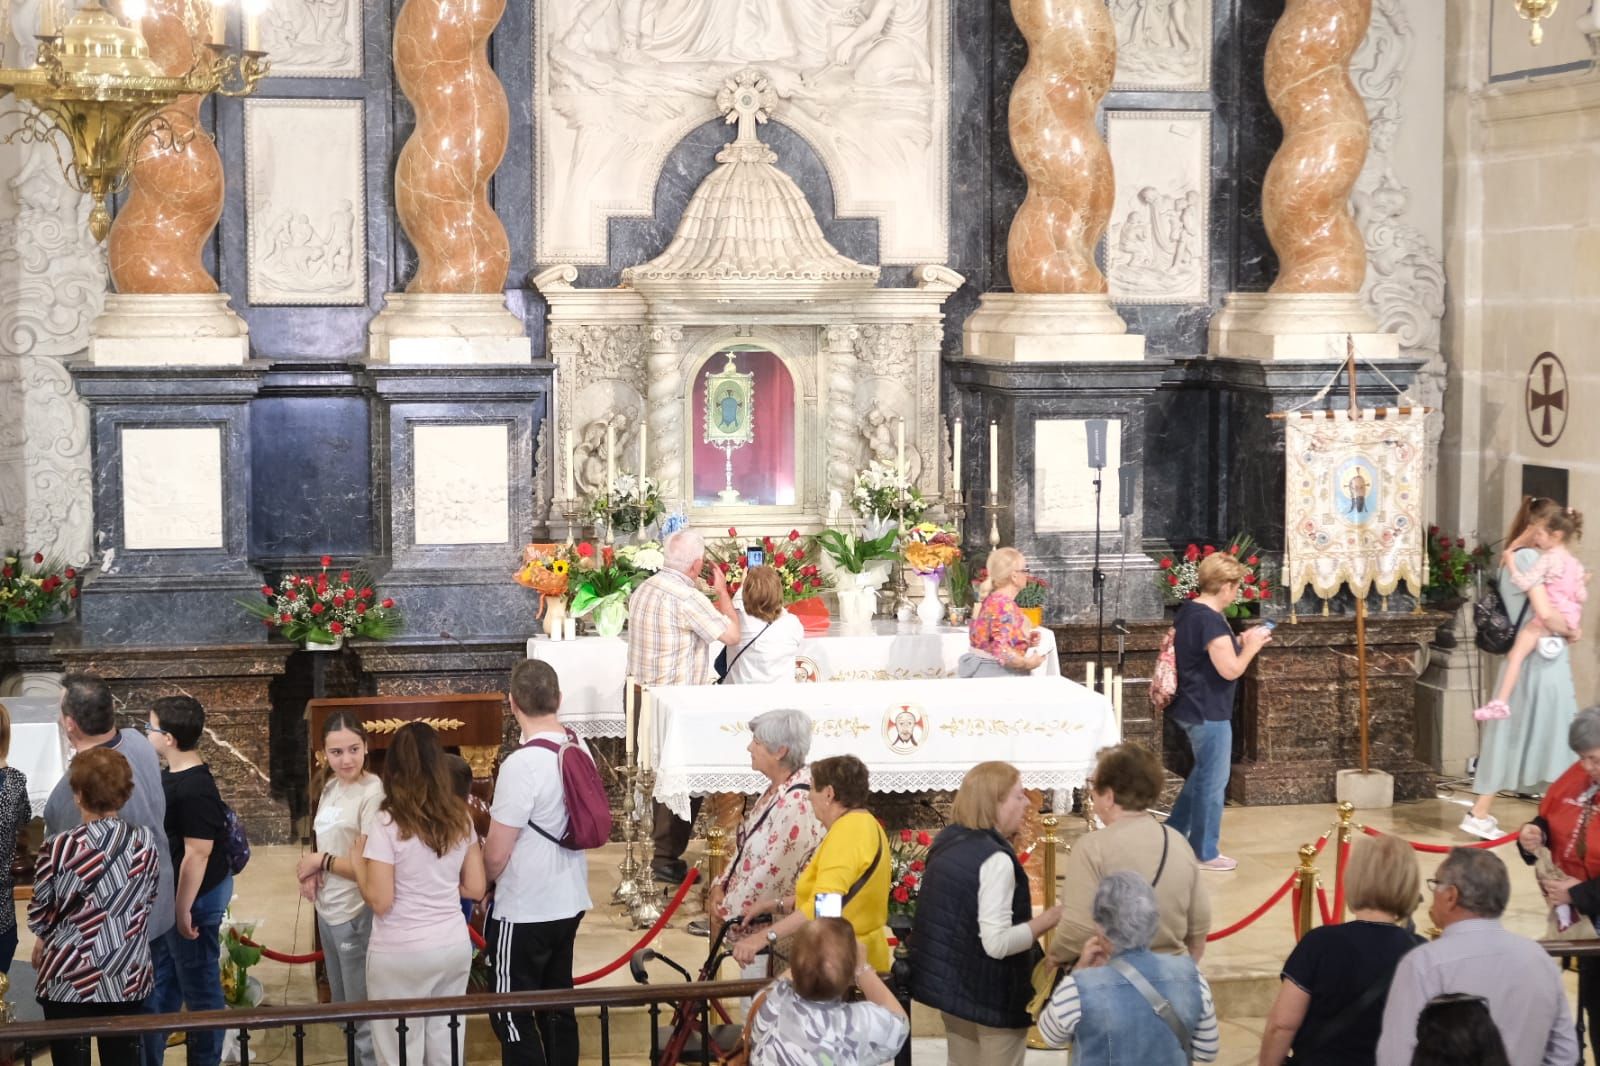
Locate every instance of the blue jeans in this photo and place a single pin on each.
(1198, 812)
(188, 973)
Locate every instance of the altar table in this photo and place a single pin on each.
(591, 669)
(914, 735)
(38, 744)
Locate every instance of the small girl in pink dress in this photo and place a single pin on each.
(1565, 582)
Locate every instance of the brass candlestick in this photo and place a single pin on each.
(995, 508)
(956, 507)
(628, 869)
(569, 511)
(645, 908)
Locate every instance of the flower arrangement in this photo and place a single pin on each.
(236, 986)
(1451, 565)
(626, 507)
(32, 588)
(794, 556)
(545, 569)
(601, 586)
(958, 583)
(1033, 594)
(880, 490)
(645, 559)
(908, 858)
(851, 553)
(325, 610)
(1180, 578)
(930, 548)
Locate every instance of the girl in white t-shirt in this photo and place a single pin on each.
(345, 808)
(420, 858)
(769, 636)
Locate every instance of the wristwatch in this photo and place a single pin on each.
(772, 937)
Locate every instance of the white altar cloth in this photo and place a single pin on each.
(591, 669)
(1049, 728)
(38, 745)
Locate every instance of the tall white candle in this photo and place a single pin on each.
(627, 718)
(955, 458)
(900, 446)
(1116, 702)
(646, 737)
(567, 443)
(994, 457)
(1105, 680)
(47, 18)
(252, 25)
(1088, 675)
(644, 433)
(611, 458)
(219, 23)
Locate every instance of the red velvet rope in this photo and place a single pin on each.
(1258, 912)
(1338, 887)
(1441, 849)
(1322, 905)
(316, 956)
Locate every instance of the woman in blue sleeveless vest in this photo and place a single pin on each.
(973, 944)
(1124, 1005)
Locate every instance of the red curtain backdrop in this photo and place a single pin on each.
(763, 470)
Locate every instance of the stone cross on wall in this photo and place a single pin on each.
(746, 98)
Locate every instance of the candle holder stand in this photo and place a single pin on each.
(900, 601)
(645, 909)
(569, 510)
(956, 507)
(995, 507)
(628, 869)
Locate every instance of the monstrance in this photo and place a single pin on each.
(730, 419)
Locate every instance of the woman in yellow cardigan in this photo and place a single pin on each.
(853, 862)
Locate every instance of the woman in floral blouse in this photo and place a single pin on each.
(779, 833)
(92, 894)
(1002, 640)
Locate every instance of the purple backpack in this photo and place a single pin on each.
(588, 807)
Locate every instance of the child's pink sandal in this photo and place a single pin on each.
(1492, 711)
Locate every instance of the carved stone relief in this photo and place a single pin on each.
(619, 83)
(1163, 44)
(1158, 244)
(313, 38)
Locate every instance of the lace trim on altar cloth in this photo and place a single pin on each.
(673, 790)
(594, 727)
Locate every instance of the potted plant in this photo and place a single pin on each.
(601, 587)
(929, 550)
(239, 989)
(1451, 568)
(882, 496)
(855, 556)
(320, 611)
(1179, 578)
(34, 589)
(1031, 598)
(958, 590)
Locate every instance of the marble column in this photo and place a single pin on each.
(1059, 308)
(663, 392)
(453, 309)
(1315, 300)
(166, 309)
(844, 420)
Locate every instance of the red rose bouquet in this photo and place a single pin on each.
(324, 609)
(795, 556)
(1451, 566)
(908, 855)
(33, 588)
(1179, 578)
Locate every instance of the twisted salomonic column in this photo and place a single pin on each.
(1072, 55)
(175, 190)
(1306, 197)
(844, 423)
(441, 60)
(664, 395)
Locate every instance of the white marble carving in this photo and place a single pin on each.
(1163, 44)
(1157, 246)
(313, 38)
(172, 488)
(1063, 481)
(461, 477)
(620, 82)
(306, 202)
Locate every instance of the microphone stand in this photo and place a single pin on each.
(1098, 581)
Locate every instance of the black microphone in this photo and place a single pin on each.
(1096, 428)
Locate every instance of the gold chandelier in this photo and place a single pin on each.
(95, 86)
(1535, 12)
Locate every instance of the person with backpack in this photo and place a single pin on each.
(544, 813)
(186, 958)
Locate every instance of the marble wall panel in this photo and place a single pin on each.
(172, 488)
(1163, 44)
(306, 212)
(313, 38)
(1158, 247)
(460, 481)
(1063, 481)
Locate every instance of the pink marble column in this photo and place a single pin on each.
(175, 190)
(1306, 198)
(1072, 55)
(441, 60)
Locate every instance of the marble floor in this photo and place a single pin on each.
(1242, 968)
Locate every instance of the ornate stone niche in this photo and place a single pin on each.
(749, 270)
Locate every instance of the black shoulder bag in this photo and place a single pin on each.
(724, 665)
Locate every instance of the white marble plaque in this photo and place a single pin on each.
(461, 477)
(1063, 480)
(1158, 244)
(1163, 44)
(618, 85)
(312, 38)
(172, 488)
(306, 202)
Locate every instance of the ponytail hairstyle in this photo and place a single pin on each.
(1567, 521)
(1001, 564)
(340, 721)
(1533, 510)
(418, 790)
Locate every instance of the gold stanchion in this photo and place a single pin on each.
(1308, 890)
(1049, 842)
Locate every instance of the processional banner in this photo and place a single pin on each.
(1353, 502)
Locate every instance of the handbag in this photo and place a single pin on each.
(740, 1055)
(1493, 630)
(724, 664)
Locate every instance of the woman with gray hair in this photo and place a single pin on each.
(1563, 845)
(1124, 1005)
(779, 832)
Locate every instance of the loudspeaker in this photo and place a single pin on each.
(1127, 478)
(1097, 442)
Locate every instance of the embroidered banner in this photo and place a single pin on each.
(1353, 502)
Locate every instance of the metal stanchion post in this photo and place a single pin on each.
(646, 907)
(1307, 887)
(1051, 821)
(1342, 837)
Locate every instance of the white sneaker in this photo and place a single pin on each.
(1487, 828)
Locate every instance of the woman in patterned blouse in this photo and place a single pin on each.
(15, 814)
(779, 833)
(92, 894)
(1002, 640)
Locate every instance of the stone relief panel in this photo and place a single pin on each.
(313, 38)
(305, 202)
(1063, 485)
(1157, 247)
(619, 82)
(461, 481)
(172, 488)
(1163, 44)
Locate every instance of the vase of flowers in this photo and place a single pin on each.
(1451, 568)
(958, 591)
(929, 550)
(1031, 599)
(908, 858)
(882, 494)
(320, 610)
(34, 589)
(545, 570)
(600, 587)
(628, 507)
(863, 563)
(1179, 577)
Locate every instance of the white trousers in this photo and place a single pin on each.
(414, 974)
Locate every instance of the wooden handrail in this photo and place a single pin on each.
(371, 1009)
(1576, 949)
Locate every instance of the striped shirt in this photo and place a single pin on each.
(671, 626)
(92, 894)
(1059, 1022)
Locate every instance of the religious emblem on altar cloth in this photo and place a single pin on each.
(905, 727)
(806, 669)
(1353, 506)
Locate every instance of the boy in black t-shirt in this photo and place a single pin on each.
(187, 970)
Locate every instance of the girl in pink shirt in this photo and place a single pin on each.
(1565, 583)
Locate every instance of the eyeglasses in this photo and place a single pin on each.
(1434, 884)
(148, 728)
